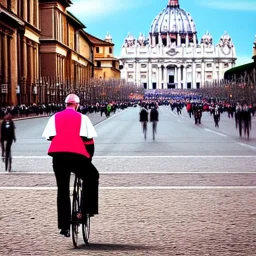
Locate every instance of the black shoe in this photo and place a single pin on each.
(65, 232)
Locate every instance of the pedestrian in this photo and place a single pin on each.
(7, 138)
(71, 134)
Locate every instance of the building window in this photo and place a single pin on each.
(110, 50)
(208, 65)
(143, 65)
(98, 64)
(197, 85)
(113, 64)
(145, 85)
(198, 65)
(130, 65)
(189, 85)
(154, 85)
(97, 49)
(226, 65)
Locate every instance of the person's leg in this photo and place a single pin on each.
(90, 176)
(8, 155)
(62, 174)
(3, 151)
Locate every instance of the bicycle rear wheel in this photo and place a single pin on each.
(76, 210)
(86, 228)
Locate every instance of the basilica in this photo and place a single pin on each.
(172, 57)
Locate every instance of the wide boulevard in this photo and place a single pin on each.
(191, 191)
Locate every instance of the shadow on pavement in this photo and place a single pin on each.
(112, 247)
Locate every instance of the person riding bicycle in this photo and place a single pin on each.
(7, 138)
(71, 133)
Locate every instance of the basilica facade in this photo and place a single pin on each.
(171, 57)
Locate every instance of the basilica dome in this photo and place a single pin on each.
(173, 20)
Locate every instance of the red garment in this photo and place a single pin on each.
(189, 106)
(67, 139)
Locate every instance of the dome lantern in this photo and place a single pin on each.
(174, 3)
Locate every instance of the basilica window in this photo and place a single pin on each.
(143, 65)
(130, 65)
(198, 65)
(226, 65)
(110, 50)
(97, 49)
(208, 65)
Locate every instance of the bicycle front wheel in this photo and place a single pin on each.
(86, 229)
(75, 211)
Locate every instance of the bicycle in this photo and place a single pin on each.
(77, 218)
(154, 124)
(144, 127)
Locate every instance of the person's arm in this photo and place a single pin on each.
(88, 132)
(50, 130)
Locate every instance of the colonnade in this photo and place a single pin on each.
(186, 76)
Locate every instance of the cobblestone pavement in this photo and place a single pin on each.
(135, 180)
(203, 207)
(135, 222)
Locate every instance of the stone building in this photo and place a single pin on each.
(45, 52)
(106, 66)
(171, 56)
(19, 47)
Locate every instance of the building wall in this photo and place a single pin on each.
(19, 38)
(63, 39)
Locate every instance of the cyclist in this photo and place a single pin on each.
(7, 138)
(71, 134)
(144, 119)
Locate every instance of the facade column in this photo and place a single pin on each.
(159, 69)
(149, 74)
(25, 10)
(157, 78)
(168, 40)
(165, 77)
(203, 74)
(160, 42)
(179, 40)
(13, 66)
(175, 74)
(187, 40)
(194, 75)
(137, 73)
(220, 70)
(25, 58)
(185, 78)
(153, 41)
(179, 77)
(194, 38)
(214, 78)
